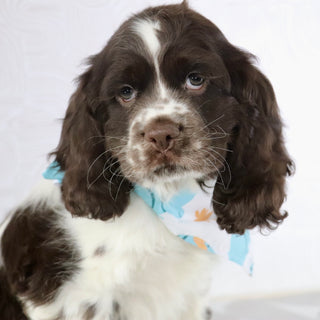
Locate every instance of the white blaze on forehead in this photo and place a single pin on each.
(147, 30)
(164, 103)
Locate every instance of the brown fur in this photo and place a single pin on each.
(248, 195)
(38, 256)
(10, 308)
(235, 117)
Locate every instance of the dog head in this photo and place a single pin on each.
(170, 98)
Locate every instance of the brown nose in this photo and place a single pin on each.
(162, 135)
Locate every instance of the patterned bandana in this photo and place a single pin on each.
(189, 215)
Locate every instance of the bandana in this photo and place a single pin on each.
(189, 215)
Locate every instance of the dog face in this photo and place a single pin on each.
(168, 98)
(172, 112)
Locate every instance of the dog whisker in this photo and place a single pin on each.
(92, 164)
(209, 124)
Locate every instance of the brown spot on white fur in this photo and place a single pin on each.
(90, 312)
(100, 251)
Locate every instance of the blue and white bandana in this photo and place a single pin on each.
(189, 215)
(54, 172)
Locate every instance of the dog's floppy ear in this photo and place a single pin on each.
(89, 188)
(259, 161)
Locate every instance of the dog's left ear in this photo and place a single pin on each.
(259, 162)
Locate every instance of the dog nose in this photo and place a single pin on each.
(162, 136)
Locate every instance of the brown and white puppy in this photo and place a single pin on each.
(167, 102)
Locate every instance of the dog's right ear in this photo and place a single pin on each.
(89, 188)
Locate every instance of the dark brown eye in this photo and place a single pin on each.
(194, 81)
(127, 93)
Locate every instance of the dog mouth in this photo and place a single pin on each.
(173, 165)
(169, 169)
(147, 164)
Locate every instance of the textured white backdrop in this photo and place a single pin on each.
(42, 45)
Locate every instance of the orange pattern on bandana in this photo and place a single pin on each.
(200, 243)
(203, 215)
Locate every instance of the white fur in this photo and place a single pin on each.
(160, 108)
(147, 31)
(164, 102)
(151, 273)
(167, 186)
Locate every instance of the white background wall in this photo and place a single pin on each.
(42, 45)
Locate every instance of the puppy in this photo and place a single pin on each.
(168, 105)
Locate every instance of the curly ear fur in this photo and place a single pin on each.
(259, 161)
(88, 188)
